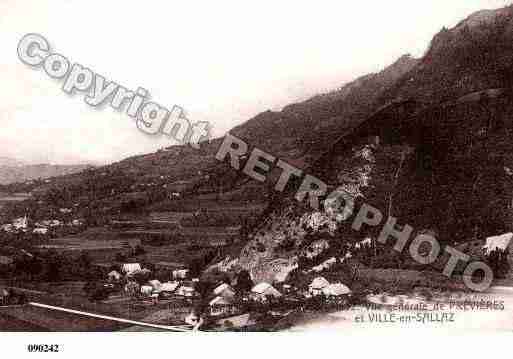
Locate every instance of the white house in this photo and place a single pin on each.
(317, 285)
(146, 290)
(128, 268)
(335, 290)
(224, 290)
(498, 242)
(169, 287)
(155, 284)
(262, 290)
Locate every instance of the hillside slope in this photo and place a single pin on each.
(436, 155)
(298, 133)
(301, 131)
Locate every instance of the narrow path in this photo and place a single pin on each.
(115, 319)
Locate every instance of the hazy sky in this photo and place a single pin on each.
(223, 61)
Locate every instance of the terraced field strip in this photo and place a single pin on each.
(115, 319)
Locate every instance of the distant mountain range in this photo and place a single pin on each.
(13, 170)
(10, 162)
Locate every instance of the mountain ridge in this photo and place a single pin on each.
(13, 171)
(441, 162)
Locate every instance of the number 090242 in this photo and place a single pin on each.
(43, 348)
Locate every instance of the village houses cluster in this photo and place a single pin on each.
(223, 301)
(24, 225)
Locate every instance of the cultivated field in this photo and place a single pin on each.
(27, 317)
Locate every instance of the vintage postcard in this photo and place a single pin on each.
(247, 166)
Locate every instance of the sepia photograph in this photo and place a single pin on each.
(254, 167)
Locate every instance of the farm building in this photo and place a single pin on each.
(169, 287)
(498, 242)
(131, 267)
(262, 290)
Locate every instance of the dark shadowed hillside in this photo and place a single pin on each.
(475, 55)
(436, 154)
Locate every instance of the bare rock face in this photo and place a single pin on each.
(264, 256)
(290, 231)
(275, 271)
